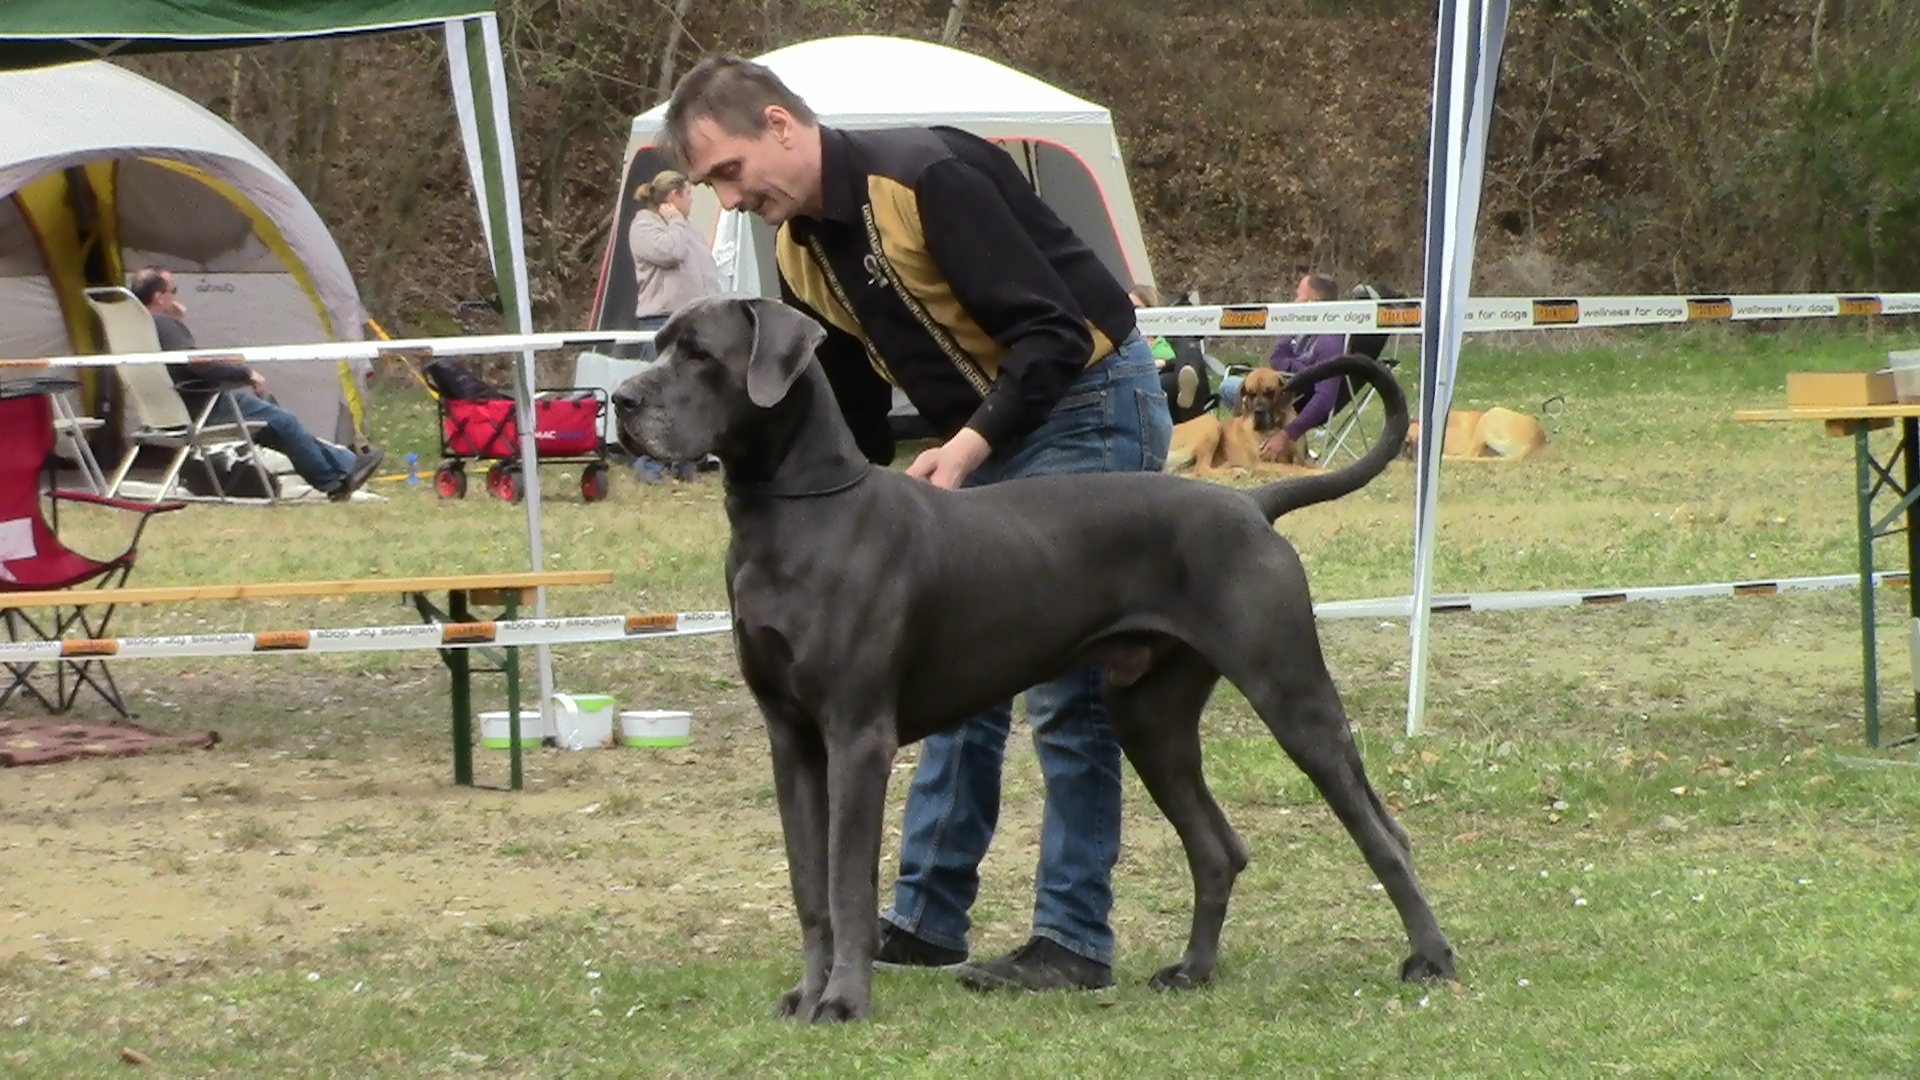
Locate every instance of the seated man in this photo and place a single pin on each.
(328, 468)
(1298, 353)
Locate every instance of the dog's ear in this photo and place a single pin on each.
(783, 342)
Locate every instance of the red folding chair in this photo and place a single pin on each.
(33, 559)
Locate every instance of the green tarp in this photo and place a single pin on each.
(34, 32)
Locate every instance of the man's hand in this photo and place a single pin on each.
(951, 462)
(1278, 447)
(257, 381)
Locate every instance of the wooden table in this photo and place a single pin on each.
(1897, 476)
(506, 591)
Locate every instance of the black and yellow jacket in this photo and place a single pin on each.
(936, 268)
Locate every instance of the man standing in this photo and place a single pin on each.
(328, 468)
(936, 268)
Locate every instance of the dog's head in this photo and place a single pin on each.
(1265, 400)
(723, 364)
(1410, 450)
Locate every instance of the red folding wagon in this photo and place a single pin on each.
(566, 431)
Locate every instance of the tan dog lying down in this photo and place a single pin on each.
(1496, 434)
(1208, 445)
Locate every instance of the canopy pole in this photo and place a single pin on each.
(1466, 63)
(479, 76)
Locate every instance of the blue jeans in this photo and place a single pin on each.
(322, 465)
(1113, 419)
(1230, 391)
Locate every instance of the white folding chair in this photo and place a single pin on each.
(163, 418)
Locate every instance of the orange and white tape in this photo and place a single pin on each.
(499, 634)
(1495, 313)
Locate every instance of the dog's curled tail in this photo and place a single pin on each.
(1294, 492)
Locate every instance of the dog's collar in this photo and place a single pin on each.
(775, 489)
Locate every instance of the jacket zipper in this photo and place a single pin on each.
(968, 367)
(840, 294)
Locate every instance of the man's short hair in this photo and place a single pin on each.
(1323, 287)
(148, 282)
(734, 93)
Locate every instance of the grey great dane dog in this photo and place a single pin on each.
(871, 609)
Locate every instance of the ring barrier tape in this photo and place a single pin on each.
(498, 634)
(1491, 313)
(1401, 607)
(1483, 314)
(595, 628)
(396, 349)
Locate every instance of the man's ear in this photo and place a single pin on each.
(783, 343)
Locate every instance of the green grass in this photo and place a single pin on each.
(1652, 830)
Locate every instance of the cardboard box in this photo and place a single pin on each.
(1806, 389)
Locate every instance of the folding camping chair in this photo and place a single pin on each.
(33, 558)
(1351, 430)
(163, 417)
(70, 431)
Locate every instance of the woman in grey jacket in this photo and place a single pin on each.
(672, 265)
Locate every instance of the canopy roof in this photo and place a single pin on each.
(34, 32)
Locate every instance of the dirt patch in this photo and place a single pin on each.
(157, 854)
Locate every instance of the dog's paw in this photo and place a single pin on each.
(1420, 967)
(838, 1009)
(794, 1002)
(1180, 976)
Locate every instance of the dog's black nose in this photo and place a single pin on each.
(626, 400)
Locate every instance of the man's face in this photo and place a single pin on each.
(167, 300)
(1303, 293)
(761, 174)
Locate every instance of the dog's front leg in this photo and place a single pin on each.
(800, 782)
(859, 757)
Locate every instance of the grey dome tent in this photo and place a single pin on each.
(104, 167)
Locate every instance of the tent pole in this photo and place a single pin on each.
(474, 57)
(1472, 34)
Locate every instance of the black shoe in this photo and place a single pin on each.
(899, 949)
(1040, 964)
(357, 475)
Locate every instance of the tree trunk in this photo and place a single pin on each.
(668, 73)
(956, 15)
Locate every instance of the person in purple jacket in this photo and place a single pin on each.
(1298, 353)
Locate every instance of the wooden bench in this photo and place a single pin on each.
(506, 591)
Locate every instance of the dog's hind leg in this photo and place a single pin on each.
(1157, 721)
(1304, 713)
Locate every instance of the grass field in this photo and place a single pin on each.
(1652, 831)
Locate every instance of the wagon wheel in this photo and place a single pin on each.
(450, 481)
(513, 487)
(500, 481)
(593, 482)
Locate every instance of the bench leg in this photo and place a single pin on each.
(515, 778)
(461, 672)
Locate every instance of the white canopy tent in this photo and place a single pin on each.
(1065, 144)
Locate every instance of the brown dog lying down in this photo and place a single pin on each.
(1207, 445)
(1494, 435)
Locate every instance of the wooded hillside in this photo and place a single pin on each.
(1720, 145)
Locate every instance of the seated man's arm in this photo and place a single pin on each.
(1323, 400)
